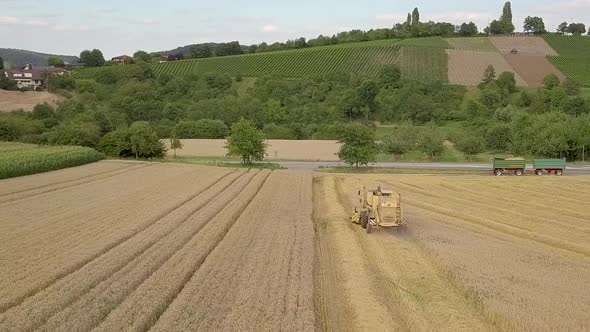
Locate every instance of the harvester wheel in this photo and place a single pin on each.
(498, 172)
(559, 172)
(369, 228)
(539, 172)
(364, 219)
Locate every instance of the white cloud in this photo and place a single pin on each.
(143, 21)
(69, 28)
(9, 20)
(35, 22)
(269, 28)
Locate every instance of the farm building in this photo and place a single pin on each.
(32, 77)
(122, 59)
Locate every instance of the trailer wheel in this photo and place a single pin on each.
(518, 172)
(559, 172)
(369, 228)
(498, 172)
(364, 219)
(539, 172)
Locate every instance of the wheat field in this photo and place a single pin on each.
(135, 246)
(478, 253)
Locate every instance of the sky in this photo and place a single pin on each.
(120, 27)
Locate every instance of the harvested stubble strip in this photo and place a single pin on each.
(91, 309)
(260, 276)
(515, 201)
(558, 217)
(36, 309)
(492, 223)
(536, 222)
(541, 223)
(66, 241)
(142, 308)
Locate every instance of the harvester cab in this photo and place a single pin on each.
(378, 208)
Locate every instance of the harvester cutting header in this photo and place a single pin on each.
(378, 208)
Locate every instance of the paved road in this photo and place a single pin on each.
(311, 165)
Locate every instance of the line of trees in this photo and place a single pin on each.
(412, 28)
(573, 28)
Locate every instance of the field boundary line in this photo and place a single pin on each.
(235, 217)
(107, 249)
(181, 223)
(109, 176)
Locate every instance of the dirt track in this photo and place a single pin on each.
(14, 100)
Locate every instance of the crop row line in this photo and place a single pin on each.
(10, 303)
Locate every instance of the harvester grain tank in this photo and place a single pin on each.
(509, 165)
(378, 208)
(550, 166)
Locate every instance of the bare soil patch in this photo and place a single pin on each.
(524, 45)
(311, 150)
(467, 67)
(14, 100)
(533, 68)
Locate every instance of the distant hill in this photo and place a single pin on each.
(15, 58)
(186, 49)
(460, 61)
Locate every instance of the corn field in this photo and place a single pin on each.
(17, 159)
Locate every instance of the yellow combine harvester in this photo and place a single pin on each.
(378, 208)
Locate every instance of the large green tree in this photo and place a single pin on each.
(534, 24)
(577, 28)
(503, 25)
(415, 16)
(468, 29)
(56, 62)
(506, 18)
(92, 58)
(246, 142)
(142, 56)
(144, 141)
(201, 51)
(358, 145)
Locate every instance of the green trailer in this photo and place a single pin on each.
(549, 166)
(509, 165)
